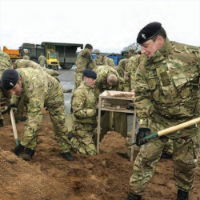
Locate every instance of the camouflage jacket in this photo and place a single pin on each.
(100, 60)
(42, 59)
(38, 89)
(5, 61)
(26, 57)
(110, 62)
(84, 104)
(131, 68)
(102, 73)
(21, 63)
(167, 84)
(84, 61)
(122, 66)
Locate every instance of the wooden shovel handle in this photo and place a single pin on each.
(178, 127)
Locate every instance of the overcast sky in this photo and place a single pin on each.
(109, 25)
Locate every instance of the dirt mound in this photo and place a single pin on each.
(102, 177)
(20, 180)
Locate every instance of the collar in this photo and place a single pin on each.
(162, 53)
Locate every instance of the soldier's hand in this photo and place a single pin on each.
(140, 136)
(91, 112)
(9, 108)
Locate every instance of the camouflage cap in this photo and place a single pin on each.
(148, 32)
(9, 79)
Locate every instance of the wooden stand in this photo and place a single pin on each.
(116, 101)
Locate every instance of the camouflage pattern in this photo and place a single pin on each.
(131, 68)
(121, 69)
(84, 107)
(109, 61)
(83, 61)
(103, 72)
(42, 90)
(100, 60)
(26, 57)
(167, 93)
(21, 63)
(42, 60)
(5, 63)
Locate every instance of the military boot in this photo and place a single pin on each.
(68, 156)
(27, 154)
(132, 196)
(23, 152)
(182, 195)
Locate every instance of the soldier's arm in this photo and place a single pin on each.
(144, 106)
(80, 109)
(51, 72)
(121, 67)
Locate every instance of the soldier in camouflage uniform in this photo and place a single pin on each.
(108, 78)
(42, 60)
(26, 55)
(21, 63)
(39, 90)
(167, 93)
(5, 63)
(83, 61)
(84, 107)
(131, 69)
(124, 71)
(100, 59)
(109, 61)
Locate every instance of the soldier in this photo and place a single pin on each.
(83, 61)
(26, 55)
(123, 70)
(21, 63)
(109, 61)
(84, 107)
(42, 60)
(39, 90)
(108, 78)
(100, 59)
(5, 63)
(167, 93)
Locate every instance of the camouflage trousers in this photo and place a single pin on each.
(55, 106)
(83, 138)
(78, 78)
(185, 156)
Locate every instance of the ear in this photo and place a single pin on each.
(160, 41)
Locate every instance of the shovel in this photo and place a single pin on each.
(12, 117)
(171, 129)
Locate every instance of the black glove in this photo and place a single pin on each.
(142, 132)
(8, 108)
(18, 149)
(130, 106)
(70, 135)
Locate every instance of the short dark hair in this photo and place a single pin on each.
(162, 33)
(88, 46)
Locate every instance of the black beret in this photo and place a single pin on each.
(148, 32)
(9, 79)
(89, 73)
